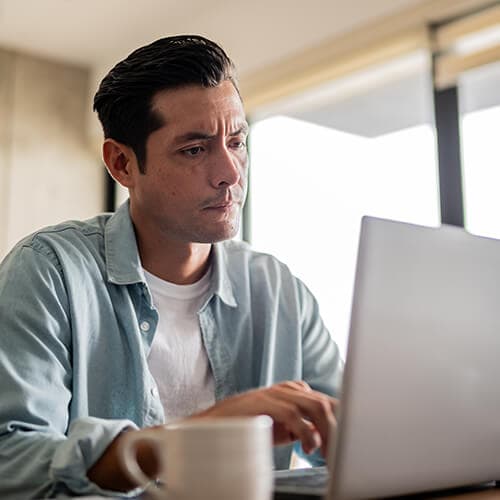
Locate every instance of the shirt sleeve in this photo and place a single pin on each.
(323, 365)
(41, 454)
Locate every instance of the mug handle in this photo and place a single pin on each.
(127, 454)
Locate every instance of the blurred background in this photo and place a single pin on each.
(382, 107)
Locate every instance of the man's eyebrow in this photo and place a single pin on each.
(202, 136)
(193, 136)
(242, 130)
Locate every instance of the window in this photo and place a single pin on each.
(363, 145)
(480, 119)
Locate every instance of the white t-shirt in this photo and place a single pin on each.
(178, 360)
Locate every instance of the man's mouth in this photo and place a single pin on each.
(222, 205)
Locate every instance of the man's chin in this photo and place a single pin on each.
(219, 234)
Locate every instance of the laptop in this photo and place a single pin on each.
(421, 395)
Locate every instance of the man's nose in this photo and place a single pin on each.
(225, 168)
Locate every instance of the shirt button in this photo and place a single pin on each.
(154, 392)
(145, 326)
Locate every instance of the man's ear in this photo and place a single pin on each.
(120, 161)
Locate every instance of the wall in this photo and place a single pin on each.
(48, 171)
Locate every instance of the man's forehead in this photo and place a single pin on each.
(201, 110)
(221, 97)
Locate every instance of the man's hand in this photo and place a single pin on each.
(298, 413)
(108, 473)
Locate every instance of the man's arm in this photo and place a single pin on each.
(39, 455)
(322, 364)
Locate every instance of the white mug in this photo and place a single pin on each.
(211, 459)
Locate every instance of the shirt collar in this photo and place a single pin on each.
(123, 263)
(221, 284)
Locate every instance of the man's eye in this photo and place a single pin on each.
(194, 151)
(238, 145)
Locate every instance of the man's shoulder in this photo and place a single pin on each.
(69, 229)
(65, 236)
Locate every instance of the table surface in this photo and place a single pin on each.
(489, 492)
(484, 492)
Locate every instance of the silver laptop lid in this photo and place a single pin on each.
(421, 398)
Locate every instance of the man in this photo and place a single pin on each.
(130, 320)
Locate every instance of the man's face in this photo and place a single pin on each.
(195, 176)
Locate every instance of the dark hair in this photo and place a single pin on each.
(124, 98)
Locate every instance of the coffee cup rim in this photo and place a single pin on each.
(260, 421)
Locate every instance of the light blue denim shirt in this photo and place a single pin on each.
(76, 326)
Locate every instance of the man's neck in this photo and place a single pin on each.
(177, 262)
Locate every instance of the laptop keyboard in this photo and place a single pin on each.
(313, 480)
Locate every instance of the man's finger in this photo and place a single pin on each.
(314, 406)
